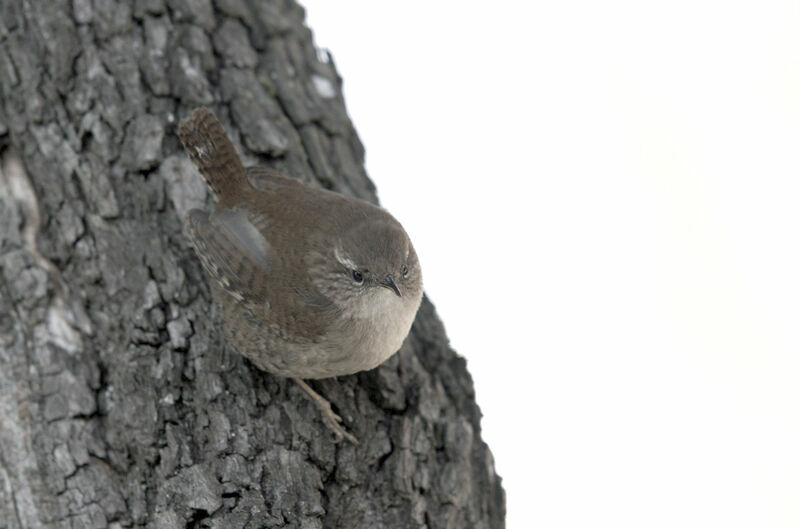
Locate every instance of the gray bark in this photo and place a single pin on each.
(120, 403)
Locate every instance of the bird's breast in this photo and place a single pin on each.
(376, 331)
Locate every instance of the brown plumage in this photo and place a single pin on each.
(313, 284)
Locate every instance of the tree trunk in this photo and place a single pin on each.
(120, 403)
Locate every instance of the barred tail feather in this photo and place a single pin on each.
(209, 147)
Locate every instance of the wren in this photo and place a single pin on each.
(312, 283)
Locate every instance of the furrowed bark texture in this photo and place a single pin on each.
(120, 404)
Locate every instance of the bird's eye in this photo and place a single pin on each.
(405, 271)
(358, 277)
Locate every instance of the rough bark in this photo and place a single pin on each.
(120, 404)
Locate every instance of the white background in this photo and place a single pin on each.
(605, 200)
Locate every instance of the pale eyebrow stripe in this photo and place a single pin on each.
(343, 259)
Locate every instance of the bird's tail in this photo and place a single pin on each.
(208, 145)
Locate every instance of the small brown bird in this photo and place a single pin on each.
(313, 284)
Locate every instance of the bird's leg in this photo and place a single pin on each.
(331, 419)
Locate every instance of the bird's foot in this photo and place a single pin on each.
(329, 416)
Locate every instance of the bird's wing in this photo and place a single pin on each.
(233, 251)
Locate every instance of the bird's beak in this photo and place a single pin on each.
(390, 284)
